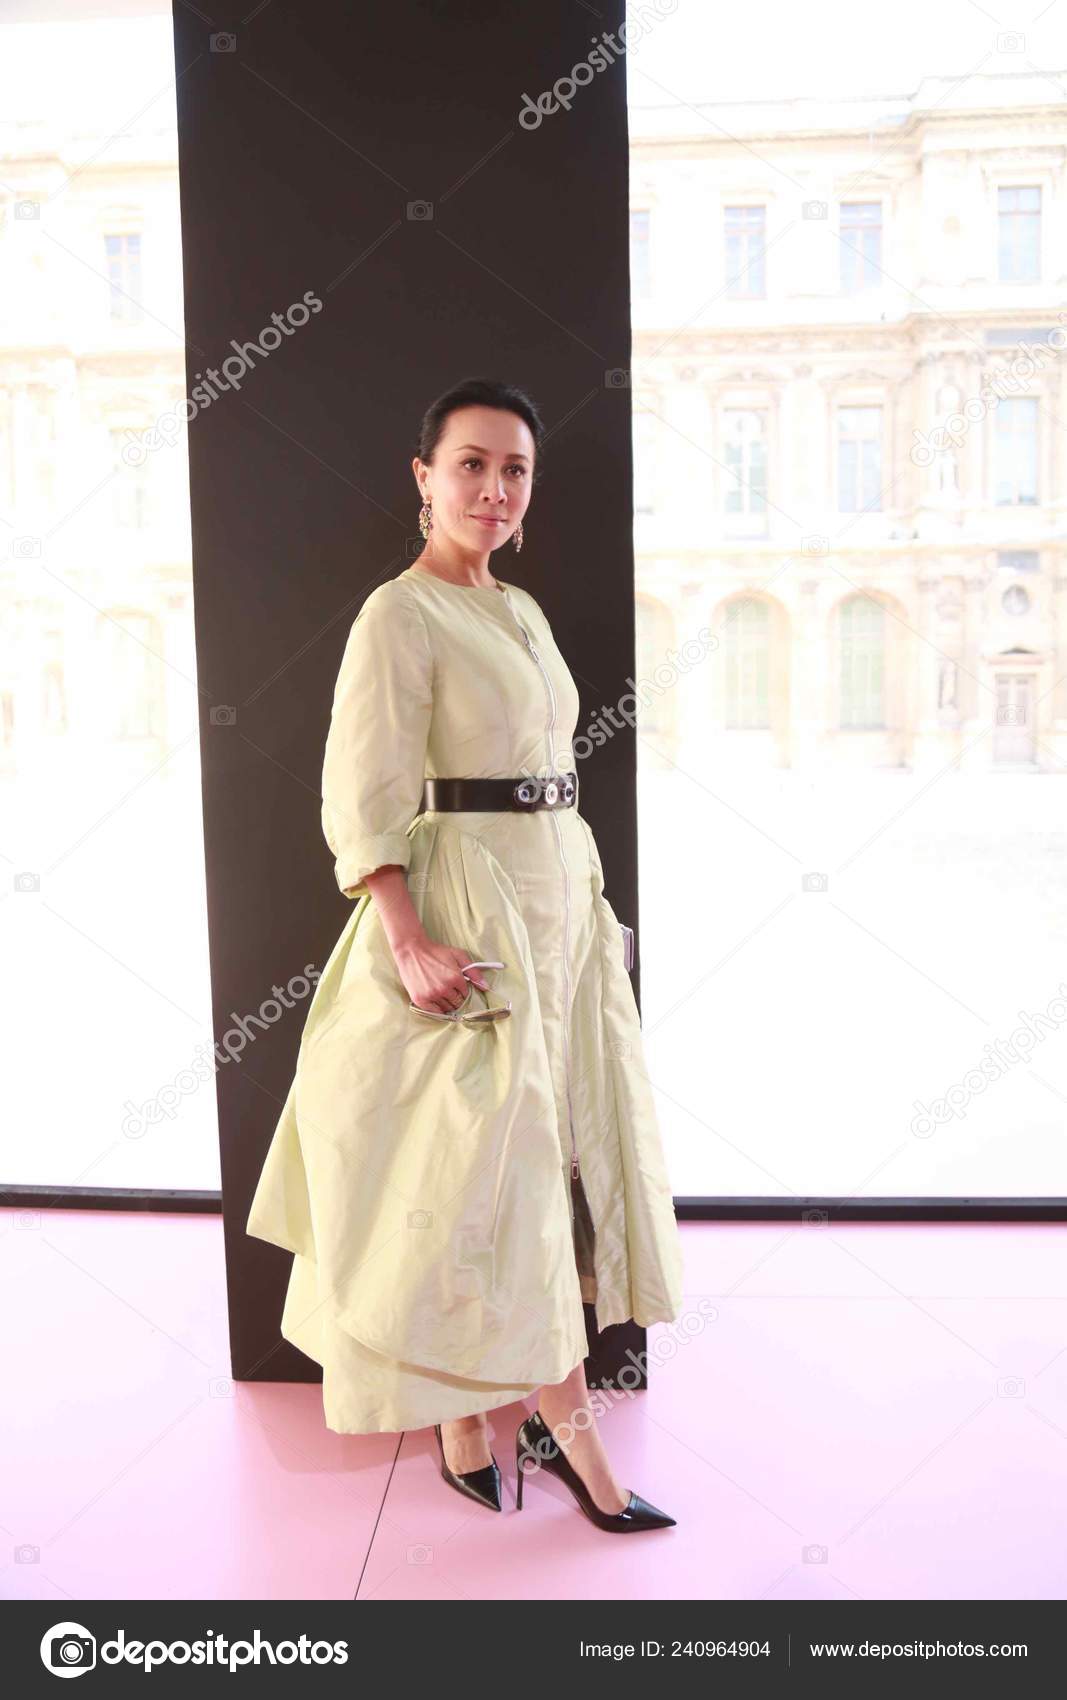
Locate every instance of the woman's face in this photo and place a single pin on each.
(479, 482)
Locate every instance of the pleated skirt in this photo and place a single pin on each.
(363, 1390)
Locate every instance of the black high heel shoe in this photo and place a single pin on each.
(482, 1485)
(536, 1441)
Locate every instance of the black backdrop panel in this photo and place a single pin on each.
(372, 160)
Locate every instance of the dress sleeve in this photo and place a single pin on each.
(375, 760)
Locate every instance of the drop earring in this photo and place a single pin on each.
(425, 519)
(517, 538)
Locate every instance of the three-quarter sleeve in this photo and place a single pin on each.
(375, 760)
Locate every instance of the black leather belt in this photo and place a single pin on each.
(560, 791)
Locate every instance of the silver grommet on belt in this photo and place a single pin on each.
(551, 792)
(568, 790)
(527, 791)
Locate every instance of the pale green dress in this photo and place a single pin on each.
(422, 1172)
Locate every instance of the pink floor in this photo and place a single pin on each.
(857, 1413)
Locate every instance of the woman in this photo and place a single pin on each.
(468, 1152)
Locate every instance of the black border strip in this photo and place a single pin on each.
(757, 1208)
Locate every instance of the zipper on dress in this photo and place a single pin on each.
(550, 730)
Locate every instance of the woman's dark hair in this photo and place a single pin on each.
(479, 392)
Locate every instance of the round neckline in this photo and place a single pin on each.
(499, 589)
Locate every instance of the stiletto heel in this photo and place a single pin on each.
(535, 1441)
(482, 1485)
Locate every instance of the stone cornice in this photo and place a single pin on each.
(953, 327)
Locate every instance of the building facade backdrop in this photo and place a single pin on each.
(850, 324)
(848, 395)
(96, 652)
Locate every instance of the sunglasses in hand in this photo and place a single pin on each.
(470, 1017)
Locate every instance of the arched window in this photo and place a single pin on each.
(53, 682)
(747, 652)
(862, 633)
(130, 668)
(645, 440)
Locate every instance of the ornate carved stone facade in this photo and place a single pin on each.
(849, 415)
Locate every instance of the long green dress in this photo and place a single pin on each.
(451, 1194)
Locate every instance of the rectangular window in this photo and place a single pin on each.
(745, 432)
(745, 241)
(77, 699)
(640, 278)
(1018, 560)
(1015, 452)
(129, 486)
(1010, 336)
(123, 254)
(861, 245)
(859, 459)
(1019, 235)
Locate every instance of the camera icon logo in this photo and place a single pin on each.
(68, 1649)
(420, 211)
(814, 882)
(814, 209)
(134, 452)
